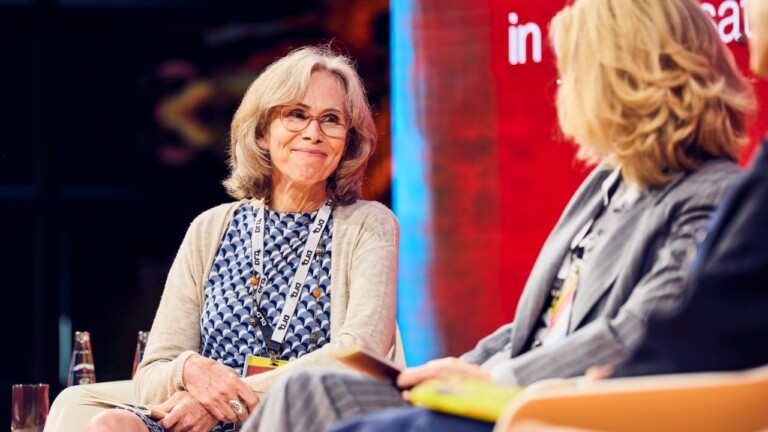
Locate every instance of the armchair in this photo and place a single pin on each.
(704, 402)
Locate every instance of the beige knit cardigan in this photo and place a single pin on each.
(363, 305)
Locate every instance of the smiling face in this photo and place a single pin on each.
(307, 158)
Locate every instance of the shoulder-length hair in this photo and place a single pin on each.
(648, 84)
(284, 82)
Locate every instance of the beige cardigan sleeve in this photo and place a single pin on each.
(175, 333)
(363, 297)
(363, 289)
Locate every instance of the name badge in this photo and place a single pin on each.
(255, 365)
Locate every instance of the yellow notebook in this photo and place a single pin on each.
(476, 399)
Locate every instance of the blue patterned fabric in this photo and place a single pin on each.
(151, 425)
(226, 335)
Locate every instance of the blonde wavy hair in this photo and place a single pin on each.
(284, 82)
(648, 84)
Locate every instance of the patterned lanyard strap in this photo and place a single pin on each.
(274, 338)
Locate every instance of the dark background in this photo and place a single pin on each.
(113, 138)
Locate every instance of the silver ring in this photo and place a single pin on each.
(236, 406)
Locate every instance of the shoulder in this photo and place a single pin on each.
(366, 219)
(215, 216)
(364, 213)
(586, 191)
(202, 239)
(713, 172)
(211, 222)
(594, 181)
(706, 185)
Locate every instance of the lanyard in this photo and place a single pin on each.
(277, 337)
(608, 188)
(567, 281)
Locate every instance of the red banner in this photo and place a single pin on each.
(499, 173)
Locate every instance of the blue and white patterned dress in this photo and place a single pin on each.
(226, 335)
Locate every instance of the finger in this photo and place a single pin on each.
(227, 414)
(406, 395)
(204, 421)
(217, 400)
(476, 372)
(239, 408)
(194, 417)
(232, 386)
(160, 408)
(216, 410)
(443, 361)
(248, 396)
(597, 373)
(170, 420)
(166, 406)
(242, 398)
(412, 376)
(180, 426)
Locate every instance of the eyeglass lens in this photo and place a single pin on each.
(297, 119)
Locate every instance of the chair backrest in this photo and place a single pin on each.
(67, 414)
(705, 402)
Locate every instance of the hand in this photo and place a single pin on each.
(443, 368)
(597, 373)
(215, 385)
(185, 413)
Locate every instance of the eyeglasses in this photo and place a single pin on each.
(333, 124)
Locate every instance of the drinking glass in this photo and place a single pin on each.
(29, 408)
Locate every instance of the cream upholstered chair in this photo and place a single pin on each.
(702, 402)
(67, 414)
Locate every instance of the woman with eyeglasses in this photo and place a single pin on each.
(295, 268)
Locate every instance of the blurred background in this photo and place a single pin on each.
(115, 117)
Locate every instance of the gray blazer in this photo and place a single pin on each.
(640, 266)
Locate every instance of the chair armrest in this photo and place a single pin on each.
(67, 414)
(732, 401)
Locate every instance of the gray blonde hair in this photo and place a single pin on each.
(648, 84)
(284, 82)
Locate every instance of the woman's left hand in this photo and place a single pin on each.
(185, 413)
(216, 386)
(444, 368)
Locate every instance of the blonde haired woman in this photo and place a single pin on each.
(652, 96)
(297, 266)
